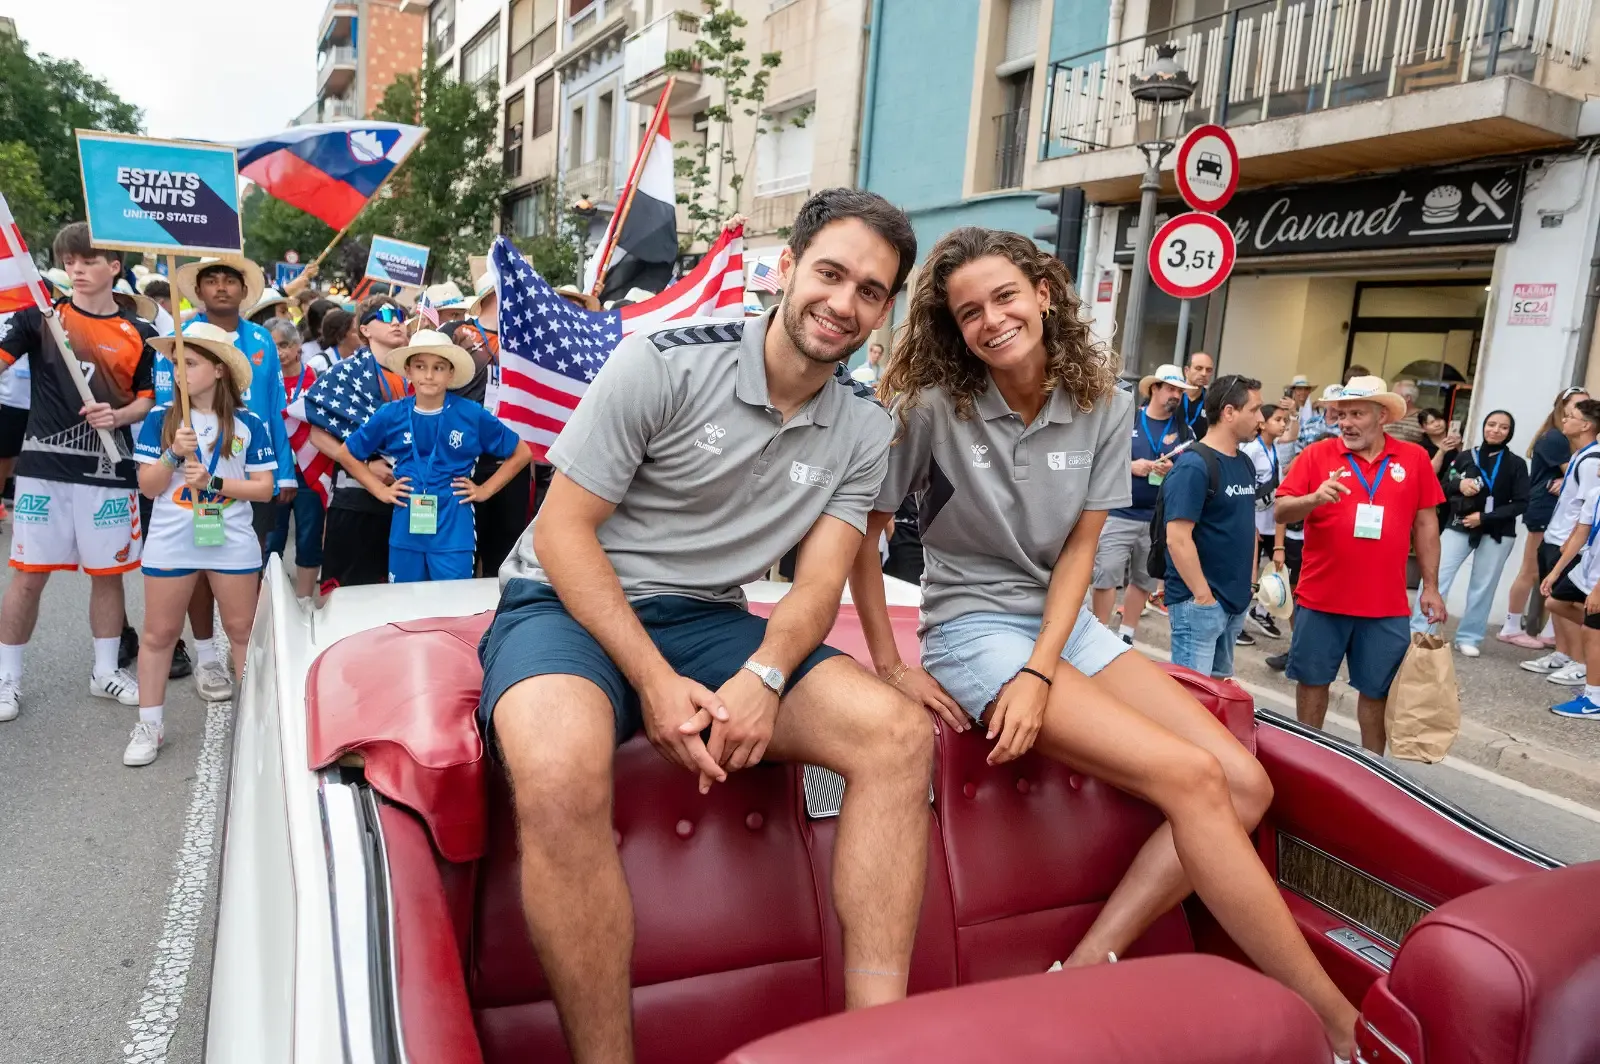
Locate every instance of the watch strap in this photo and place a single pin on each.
(770, 677)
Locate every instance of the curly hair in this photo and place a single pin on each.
(931, 352)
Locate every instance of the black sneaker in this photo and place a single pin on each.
(181, 665)
(1278, 662)
(1264, 623)
(1245, 639)
(128, 647)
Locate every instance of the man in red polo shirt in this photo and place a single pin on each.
(1364, 497)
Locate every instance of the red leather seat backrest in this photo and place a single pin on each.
(1509, 974)
(404, 696)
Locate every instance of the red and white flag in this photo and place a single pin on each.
(20, 284)
(641, 241)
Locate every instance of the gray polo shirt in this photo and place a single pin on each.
(711, 485)
(997, 498)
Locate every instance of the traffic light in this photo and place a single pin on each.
(1063, 234)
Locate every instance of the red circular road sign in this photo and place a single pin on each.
(1208, 168)
(1192, 255)
(291, 257)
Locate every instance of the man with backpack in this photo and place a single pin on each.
(1207, 505)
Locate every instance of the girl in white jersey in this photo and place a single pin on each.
(202, 477)
(1013, 433)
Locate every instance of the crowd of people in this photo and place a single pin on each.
(1019, 478)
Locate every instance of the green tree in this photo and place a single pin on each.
(557, 252)
(719, 169)
(23, 184)
(42, 100)
(272, 227)
(447, 192)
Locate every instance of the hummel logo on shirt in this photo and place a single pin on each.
(978, 459)
(713, 433)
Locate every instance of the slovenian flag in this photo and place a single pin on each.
(331, 170)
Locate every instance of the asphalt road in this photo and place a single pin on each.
(108, 874)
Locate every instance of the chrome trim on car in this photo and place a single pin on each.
(387, 956)
(1390, 1046)
(1443, 806)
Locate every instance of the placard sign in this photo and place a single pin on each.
(178, 197)
(1191, 255)
(1532, 304)
(284, 272)
(1207, 168)
(397, 261)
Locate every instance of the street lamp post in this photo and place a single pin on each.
(1163, 82)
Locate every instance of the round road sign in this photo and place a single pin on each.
(1191, 255)
(291, 256)
(1208, 168)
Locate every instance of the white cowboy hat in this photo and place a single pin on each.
(429, 342)
(269, 298)
(187, 276)
(1329, 394)
(1372, 390)
(1300, 381)
(211, 338)
(58, 278)
(1168, 374)
(1272, 592)
(142, 285)
(484, 289)
(141, 305)
(444, 294)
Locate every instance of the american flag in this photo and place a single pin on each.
(426, 308)
(765, 278)
(551, 349)
(344, 397)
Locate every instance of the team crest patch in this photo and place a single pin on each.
(237, 447)
(456, 437)
(122, 555)
(113, 513)
(1399, 474)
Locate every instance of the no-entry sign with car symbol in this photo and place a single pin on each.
(1208, 168)
(1192, 255)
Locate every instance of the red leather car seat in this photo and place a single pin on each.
(1525, 954)
(1163, 1010)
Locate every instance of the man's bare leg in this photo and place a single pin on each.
(106, 606)
(845, 719)
(1104, 603)
(1311, 704)
(19, 611)
(1369, 715)
(556, 736)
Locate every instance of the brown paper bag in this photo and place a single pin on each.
(1424, 711)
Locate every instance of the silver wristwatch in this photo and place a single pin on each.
(773, 679)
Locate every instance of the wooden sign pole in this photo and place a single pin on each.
(180, 376)
(620, 218)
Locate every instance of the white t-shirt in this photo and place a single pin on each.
(1577, 487)
(1586, 573)
(1266, 473)
(15, 385)
(169, 541)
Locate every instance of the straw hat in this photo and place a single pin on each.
(58, 277)
(142, 285)
(1330, 394)
(189, 274)
(271, 297)
(1372, 390)
(1272, 592)
(1168, 374)
(445, 294)
(484, 289)
(1300, 381)
(429, 342)
(211, 338)
(142, 306)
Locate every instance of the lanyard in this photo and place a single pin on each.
(211, 469)
(383, 383)
(1199, 408)
(1489, 475)
(300, 385)
(1572, 465)
(1153, 441)
(1372, 489)
(426, 476)
(1272, 456)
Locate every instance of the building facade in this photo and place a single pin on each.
(362, 46)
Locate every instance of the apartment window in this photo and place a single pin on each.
(1022, 30)
(532, 35)
(783, 154)
(577, 7)
(442, 25)
(515, 112)
(605, 124)
(529, 215)
(575, 133)
(480, 58)
(544, 105)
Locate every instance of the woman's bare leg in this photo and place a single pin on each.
(166, 601)
(1156, 881)
(236, 601)
(1087, 728)
(1527, 576)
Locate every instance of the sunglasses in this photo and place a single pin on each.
(388, 314)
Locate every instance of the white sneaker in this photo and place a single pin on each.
(143, 744)
(1547, 664)
(1468, 650)
(212, 681)
(119, 685)
(1572, 674)
(10, 698)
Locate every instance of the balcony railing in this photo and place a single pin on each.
(1276, 58)
(339, 55)
(768, 214)
(644, 54)
(338, 107)
(1010, 147)
(594, 178)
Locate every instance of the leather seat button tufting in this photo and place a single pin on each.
(970, 790)
(1022, 787)
(1075, 781)
(685, 829)
(754, 821)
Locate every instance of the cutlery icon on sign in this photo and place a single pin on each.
(1488, 201)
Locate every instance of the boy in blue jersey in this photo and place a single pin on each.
(436, 439)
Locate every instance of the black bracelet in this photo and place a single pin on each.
(1035, 672)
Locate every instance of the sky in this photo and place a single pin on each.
(217, 70)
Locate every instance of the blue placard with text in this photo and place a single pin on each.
(397, 261)
(169, 196)
(284, 272)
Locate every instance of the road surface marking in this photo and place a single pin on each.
(157, 1014)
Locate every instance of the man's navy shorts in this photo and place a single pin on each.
(534, 635)
(1375, 646)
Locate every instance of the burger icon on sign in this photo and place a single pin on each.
(1441, 205)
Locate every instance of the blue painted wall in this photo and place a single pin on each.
(1077, 26)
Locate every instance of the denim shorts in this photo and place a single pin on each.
(1374, 646)
(534, 635)
(976, 654)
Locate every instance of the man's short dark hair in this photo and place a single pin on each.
(1590, 409)
(1233, 390)
(878, 214)
(74, 240)
(1269, 409)
(217, 267)
(158, 288)
(1188, 360)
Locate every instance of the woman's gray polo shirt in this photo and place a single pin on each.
(711, 487)
(997, 498)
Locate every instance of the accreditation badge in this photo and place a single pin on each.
(208, 530)
(424, 515)
(1369, 521)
